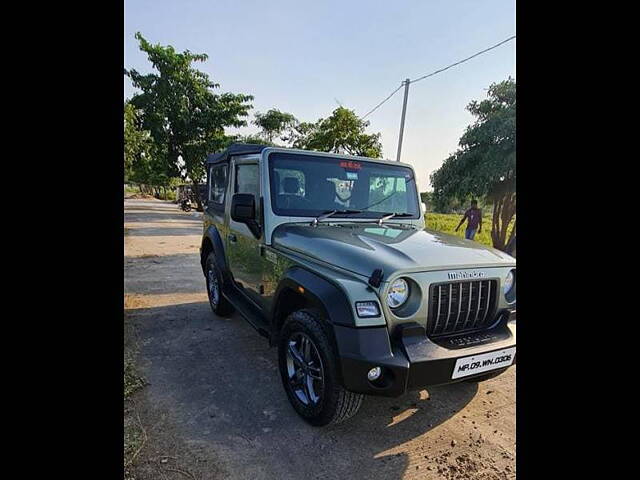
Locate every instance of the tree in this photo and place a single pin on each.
(182, 113)
(485, 162)
(138, 147)
(342, 132)
(275, 123)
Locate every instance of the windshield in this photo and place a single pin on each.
(308, 186)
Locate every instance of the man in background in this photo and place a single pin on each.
(474, 217)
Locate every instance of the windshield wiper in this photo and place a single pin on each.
(387, 216)
(329, 213)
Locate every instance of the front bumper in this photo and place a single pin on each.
(410, 360)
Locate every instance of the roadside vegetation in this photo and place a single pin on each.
(134, 433)
(484, 166)
(447, 223)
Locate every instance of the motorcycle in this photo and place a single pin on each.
(185, 204)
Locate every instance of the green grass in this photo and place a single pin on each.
(447, 223)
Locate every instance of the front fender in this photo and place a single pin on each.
(319, 292)
(348, 338)
(213, 235)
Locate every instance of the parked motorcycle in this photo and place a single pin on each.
(185, 205)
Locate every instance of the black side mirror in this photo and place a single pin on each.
(243, 210)
(243, 207)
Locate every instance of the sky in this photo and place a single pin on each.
(309, 57)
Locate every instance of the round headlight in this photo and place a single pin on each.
(508, 283)
(398, 293)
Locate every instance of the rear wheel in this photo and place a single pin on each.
(218, 303)
(309, 371)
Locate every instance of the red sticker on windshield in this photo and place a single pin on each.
(351, 165)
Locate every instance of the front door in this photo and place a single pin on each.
(242, 246)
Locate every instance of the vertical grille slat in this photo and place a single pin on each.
(456, 307)
(455, 325)
(435, 328)
(475, 319)
(446, 323)
(484, 317)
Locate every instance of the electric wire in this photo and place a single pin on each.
(436, 72)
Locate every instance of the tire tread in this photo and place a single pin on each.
(343, 404)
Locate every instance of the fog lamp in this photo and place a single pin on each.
(374, 374)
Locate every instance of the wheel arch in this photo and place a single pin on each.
(212, 242)
(299, 288)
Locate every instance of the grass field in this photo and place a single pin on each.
(447, 222)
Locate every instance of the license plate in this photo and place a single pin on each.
(484, 362)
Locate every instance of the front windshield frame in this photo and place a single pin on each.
(400, 171)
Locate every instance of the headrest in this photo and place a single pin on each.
(327, 190)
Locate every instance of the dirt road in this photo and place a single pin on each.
(214, 406)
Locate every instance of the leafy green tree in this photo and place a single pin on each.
(427, 199)
(275, 123)
(138, 147)
(485, 162)
(342, 132)
(179, 108)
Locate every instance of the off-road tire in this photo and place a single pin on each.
(221, 307)
(336, 404)
(486, 376)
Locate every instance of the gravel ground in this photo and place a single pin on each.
(214, 407)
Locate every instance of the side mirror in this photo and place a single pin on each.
(243, 207)
(424, 207)
(243, 210)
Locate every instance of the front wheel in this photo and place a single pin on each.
(309, 371)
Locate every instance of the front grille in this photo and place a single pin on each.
(456, 307)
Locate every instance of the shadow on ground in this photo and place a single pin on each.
(219, 380)
(156, 274)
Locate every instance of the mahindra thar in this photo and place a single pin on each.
(327, 256)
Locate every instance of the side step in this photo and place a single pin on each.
(248, 311)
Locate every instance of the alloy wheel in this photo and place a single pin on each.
(214, 287)
(305, 369)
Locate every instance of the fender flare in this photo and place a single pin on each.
(316, 290)
(213, 235)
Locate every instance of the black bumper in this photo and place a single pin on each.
(409, 361)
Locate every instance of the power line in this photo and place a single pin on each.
(380, 104)
(436, 72)
(464, 60)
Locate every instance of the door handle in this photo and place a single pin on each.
(232, 238)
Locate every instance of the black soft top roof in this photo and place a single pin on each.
(234, 149)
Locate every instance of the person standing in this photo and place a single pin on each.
(474, 217)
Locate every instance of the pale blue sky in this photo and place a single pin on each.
(303, 57)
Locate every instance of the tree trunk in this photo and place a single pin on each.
(504, 208)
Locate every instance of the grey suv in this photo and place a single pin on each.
(327, 256)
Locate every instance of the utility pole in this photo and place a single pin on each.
(404, 111)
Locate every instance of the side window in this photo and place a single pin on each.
(218, 185)
(248, 180)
